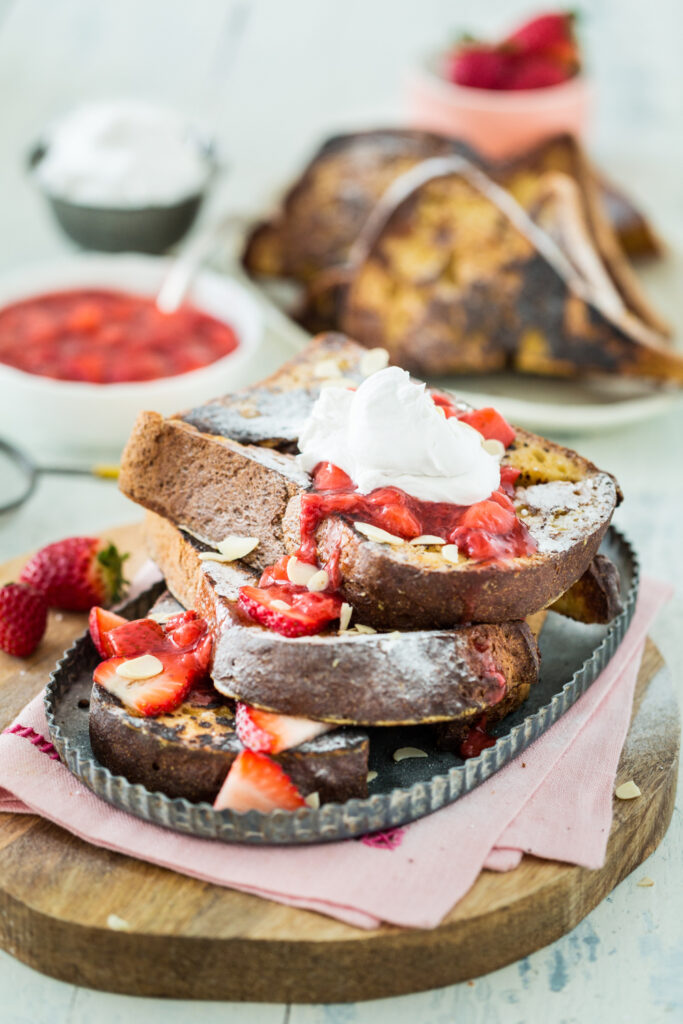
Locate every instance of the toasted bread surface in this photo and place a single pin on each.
(328, 207)
(565, 501)
(596, 597)
(346, 678)
(189, 751)
(451, 276)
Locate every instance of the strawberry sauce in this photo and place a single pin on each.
(487, 531)
(108, 337)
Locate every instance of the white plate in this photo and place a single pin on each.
(73, 419)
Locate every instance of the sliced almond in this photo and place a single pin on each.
(364, 629)
(117, 924)
(441, 411)
(234, 547)
(373, 360)
(326, 368)
(427, 538)
(281, 606)
(144, 667)
(313, 800)
(380, 536)
(646, 882)
(300, 572)
(345, 614)
(494, 447)
(372, 776)
(403, 753)
(318, 581)
(627, 791)
(451, 554)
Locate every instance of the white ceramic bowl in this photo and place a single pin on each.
(63, 418)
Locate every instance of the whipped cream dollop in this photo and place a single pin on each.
(122, 153)
(389, 433)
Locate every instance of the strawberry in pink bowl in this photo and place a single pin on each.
(506, 95)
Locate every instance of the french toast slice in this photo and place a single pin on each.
(188, 752)
(451, 275)
(326, 209)
(189, 470)
(347, 678)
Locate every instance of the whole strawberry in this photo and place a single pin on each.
(23, 615)
(76, 573)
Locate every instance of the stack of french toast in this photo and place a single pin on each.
(345, 551)
(412, 241)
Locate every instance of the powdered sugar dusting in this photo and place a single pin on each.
(561, 513)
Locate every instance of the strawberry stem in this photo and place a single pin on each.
(111, 562)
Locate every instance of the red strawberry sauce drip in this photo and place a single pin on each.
(476, 739)
(485, 532)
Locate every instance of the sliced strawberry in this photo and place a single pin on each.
(328, 477)
(276, 573)
(100, 622)
(154, 696)
(269, 733)
(389, 512)
(508, 478)
(141, 636)
(443, 402)
(304, 615)
(255, 783)
(488, 515)
(490, 424)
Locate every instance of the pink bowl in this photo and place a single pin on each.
(498, 124)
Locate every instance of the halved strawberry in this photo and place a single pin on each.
(269, 733)
(328, 477)
(304, 614)
(255, 783)
(490, 424)
(154, 696)
(100, 621)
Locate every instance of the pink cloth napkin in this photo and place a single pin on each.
(554, 801)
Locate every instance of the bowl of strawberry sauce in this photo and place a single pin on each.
(83, 349)
(505, 96)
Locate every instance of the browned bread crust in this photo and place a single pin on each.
(596, 597)
(328, 205)
(327, 208)
(346, 678)
(189, 751)
(452, 276)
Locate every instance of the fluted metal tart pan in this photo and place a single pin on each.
(572, 657)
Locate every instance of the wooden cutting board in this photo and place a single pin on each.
(191, 940)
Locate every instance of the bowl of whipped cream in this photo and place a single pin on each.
(123, 175)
